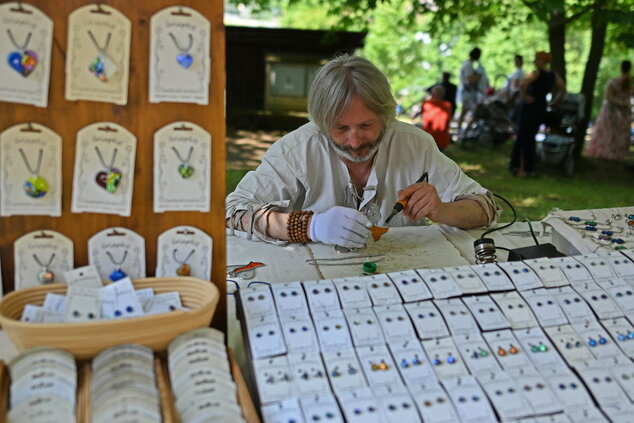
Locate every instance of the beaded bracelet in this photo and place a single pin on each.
(297, 226)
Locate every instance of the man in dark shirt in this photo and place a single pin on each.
(450, 91)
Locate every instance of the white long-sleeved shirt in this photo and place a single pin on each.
(302, 171)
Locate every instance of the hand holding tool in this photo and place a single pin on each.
(398, 207)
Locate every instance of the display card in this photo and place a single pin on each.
(623, 267)
(274, 379)
(572, 304)
(332, 330)
(321, 295)
(284, 411)
(26, 44)
(352, 293)
(467, 279)
(364, 327)
(395, 322)
(505, 396)
(486, 312)
(569, 344)
(476, 354)
(469, 399)
(378, 366)
(434, 403)
(412, 362)
(445, 358)
(309, 373)
(184, 251)
(508, 350)
(289, 299)
(182, 168)
(622, 333)
(545, 307)
(548, 272)
(98, 54)
(622, 293)
(103, 177)
(31, 163)
(382, 290)
(598, 266)
(539, 349)
(299, 334)
(427, 320)
(344, 370)
(180, 63)
(41, 258)
(515, 309)
(410, 285)
(320, 407)
(575, 272)
(440, 283)
(493, 277)
(457, 315)
(601, 303)
(117, 253)
(522, 276)
(598, 340)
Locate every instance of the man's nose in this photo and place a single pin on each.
(355, 139)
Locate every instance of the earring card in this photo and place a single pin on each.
(427, 320)
(344, 370)
(486, 312)
(467, 279)
(522, 276)
(410, 285)
(352, 293)
(548, 272)
(440, 283)
(493, 277)
(508, 350)
(545, 307)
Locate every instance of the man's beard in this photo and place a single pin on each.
(346, 151)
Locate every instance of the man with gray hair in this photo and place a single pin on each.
(336, 176)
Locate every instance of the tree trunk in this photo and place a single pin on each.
(557, 41)
(599, 29)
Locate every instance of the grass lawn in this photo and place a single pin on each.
(594, 184)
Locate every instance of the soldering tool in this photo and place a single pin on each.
(398, 207)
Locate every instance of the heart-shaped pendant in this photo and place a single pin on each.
(24, 63)
(109, 180)
(117, 274)
(36, 187)
(45, 277)
(184, 270)
(185, 170)
(185, 60)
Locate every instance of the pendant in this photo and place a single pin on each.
(23, 63)
(185, 60)
(184, 270)
(45, 276)
(36, 187)
(117, 274)
(186, 170)
(109, 180)
(103, 67)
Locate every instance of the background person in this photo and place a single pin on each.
(532, 111)
(611, 132)
(436, 116)
(473, 84)
(332, 178)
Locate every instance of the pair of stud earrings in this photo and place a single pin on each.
(570, 345)
(480, 354)
(626, 337)
(271, 379)
(380, 366)
(593, 342)
(539, 348)
(318, 374)
(450, 360)
(336, 373)
(415, 362)
(512, 350)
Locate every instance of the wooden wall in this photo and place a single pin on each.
(142, 119)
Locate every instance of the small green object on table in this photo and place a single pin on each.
(369, 267)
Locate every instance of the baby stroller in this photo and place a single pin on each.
(492, 123)
(557, 146)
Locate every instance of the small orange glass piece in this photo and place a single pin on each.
(513, 350)
(377, 232)
(501, 352)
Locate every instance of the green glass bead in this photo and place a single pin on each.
(591, 223)
(185, 170)
(484, 353)
(543, 348)
(534, 348)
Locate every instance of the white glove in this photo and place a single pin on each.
(340, 226)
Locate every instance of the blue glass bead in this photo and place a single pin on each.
(630, 335)
(574, 219)
(573, 385)
(436, 362)
(608, 233)
(622, 337)
(129, 309)
(618, 241)
(591, 228)
(603, 341)
(117, 274)
(117, 313)
(451, 359)
(592, 343)
(404, 363)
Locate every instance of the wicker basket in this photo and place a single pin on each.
(85, 340)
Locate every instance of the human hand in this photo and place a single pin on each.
(422, 200)
(340, 226)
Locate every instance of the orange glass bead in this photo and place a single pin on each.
(501, 352)
(513, 350)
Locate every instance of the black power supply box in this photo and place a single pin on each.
(534, 251)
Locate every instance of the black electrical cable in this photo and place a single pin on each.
(503, 226)
(530, 227)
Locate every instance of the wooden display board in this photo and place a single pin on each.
(141, 118)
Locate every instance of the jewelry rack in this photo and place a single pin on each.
(139, 117)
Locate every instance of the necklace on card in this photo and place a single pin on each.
(102, 66)
(118, 273)
(45, 275)
(185, 169)
(109, 178)
(184, 269)
(22, 60)
(35, 186)
(184, 58)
